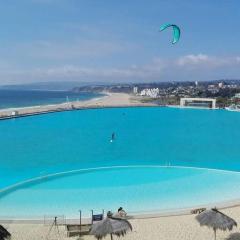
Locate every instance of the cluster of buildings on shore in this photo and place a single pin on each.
(215, 88)
(186, 90)
(150, 92)
(213, 94)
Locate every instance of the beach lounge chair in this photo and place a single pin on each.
(83, 229)
(74, 229)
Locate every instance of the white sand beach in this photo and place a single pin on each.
(183, 227)
(109, 100)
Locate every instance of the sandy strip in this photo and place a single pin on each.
(183, 227)
(110, 100)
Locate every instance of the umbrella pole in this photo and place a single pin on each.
(111, 236)
(215, 237)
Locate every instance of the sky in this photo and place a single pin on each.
(118, 41)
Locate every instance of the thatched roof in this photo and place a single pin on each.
(110, 225)
(4, 234)
(234, 236)
(216, 220)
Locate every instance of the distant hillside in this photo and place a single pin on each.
(46, 86)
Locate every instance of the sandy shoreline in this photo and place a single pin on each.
(109, 100)
(183, 227)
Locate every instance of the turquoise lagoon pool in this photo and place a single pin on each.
(60, 142)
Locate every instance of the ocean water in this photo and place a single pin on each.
(46, 144)
(21, 98)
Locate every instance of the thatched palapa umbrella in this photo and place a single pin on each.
(234, 236)
(112, 226)
(216, 220)
(4, 234)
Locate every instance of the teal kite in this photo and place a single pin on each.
(176, 31)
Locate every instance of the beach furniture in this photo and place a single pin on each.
(74, 229)
(83, 229)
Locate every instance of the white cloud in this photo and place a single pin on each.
(192, 59)
(208, 61)
(188, 67)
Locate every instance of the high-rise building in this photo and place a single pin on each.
(220, 85)
(135, 90)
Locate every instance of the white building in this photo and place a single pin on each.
(198, 102)
(220, 85)
(237, 95)
(213, 89)
(150, 92)
(135, 90)
(14, 113)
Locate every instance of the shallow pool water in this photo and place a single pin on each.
(137, 189)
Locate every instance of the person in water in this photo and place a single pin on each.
(113, 136)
